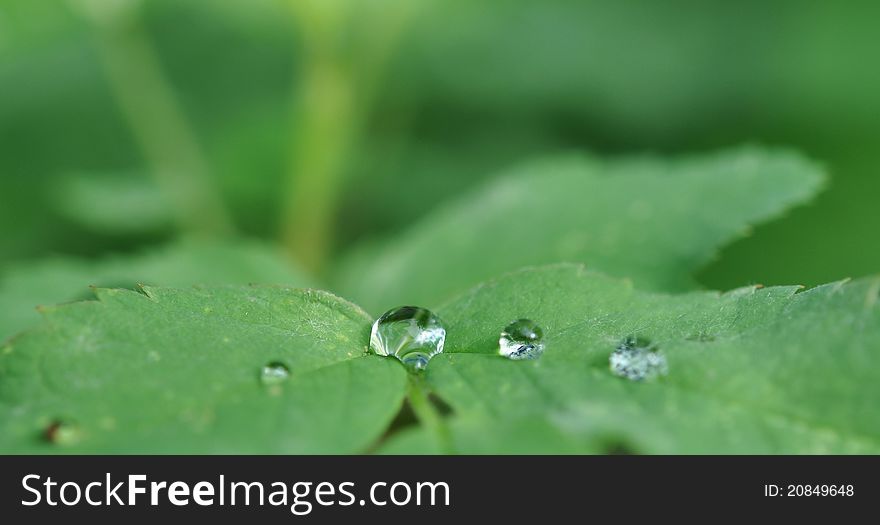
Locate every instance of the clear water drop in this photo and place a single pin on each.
(411, 334)
(274, 373)
(521, 339)
(62, 432)
(637, 359)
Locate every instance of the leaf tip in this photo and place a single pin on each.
(146, 290)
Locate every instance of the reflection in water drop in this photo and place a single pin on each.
(411, 334)
(638, 359)
(274, 373)
(521, 339)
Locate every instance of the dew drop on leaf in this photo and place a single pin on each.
(638, 359)
(411, 334)
(521, 339)
(62, 432)
(274, 373)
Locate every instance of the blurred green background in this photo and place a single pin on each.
(326, 123)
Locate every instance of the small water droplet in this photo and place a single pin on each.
(411, 334)
(62, 432)
(638, 359)
(274, 373)
(521, 339)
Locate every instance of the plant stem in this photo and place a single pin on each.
(428, 415)
(157, 121)
(333, 97)
(325, 128)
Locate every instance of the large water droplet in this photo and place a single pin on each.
(274, 373)
(62, 432)
(521, 339)
(637, 359)
(412, 334)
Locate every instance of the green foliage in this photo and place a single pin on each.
(114, 204)
(470, 89)
(178, 371)
(750, 371)
(389, 149)
(745, 366)
(26, 286)
(653, 221)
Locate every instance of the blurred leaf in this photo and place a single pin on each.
(114, 204)
(751, 371)
(179, 371)
(58, 115)
(645, 74)
(250, 160)
(627, 68)
(651, 220)
(395, 170)
(25, 286)
(475, 86)
(618, 77)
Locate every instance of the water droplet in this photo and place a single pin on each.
(274, 373)
(521, 339)
(62, 432)
(411, 334)
(637, 359)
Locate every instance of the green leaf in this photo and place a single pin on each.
(27, 285)
(651, 220)
(750, 371)
(116, 204)
(475, 435)
(178, 371)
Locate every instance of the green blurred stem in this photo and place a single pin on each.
(325, 128)
(157, 121)
(428, 416)
(345, 48)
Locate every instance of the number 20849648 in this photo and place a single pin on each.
(809, 490)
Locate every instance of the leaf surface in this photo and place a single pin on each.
(750, 371)
(25, 286)
(651, 220)
(179, 371)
